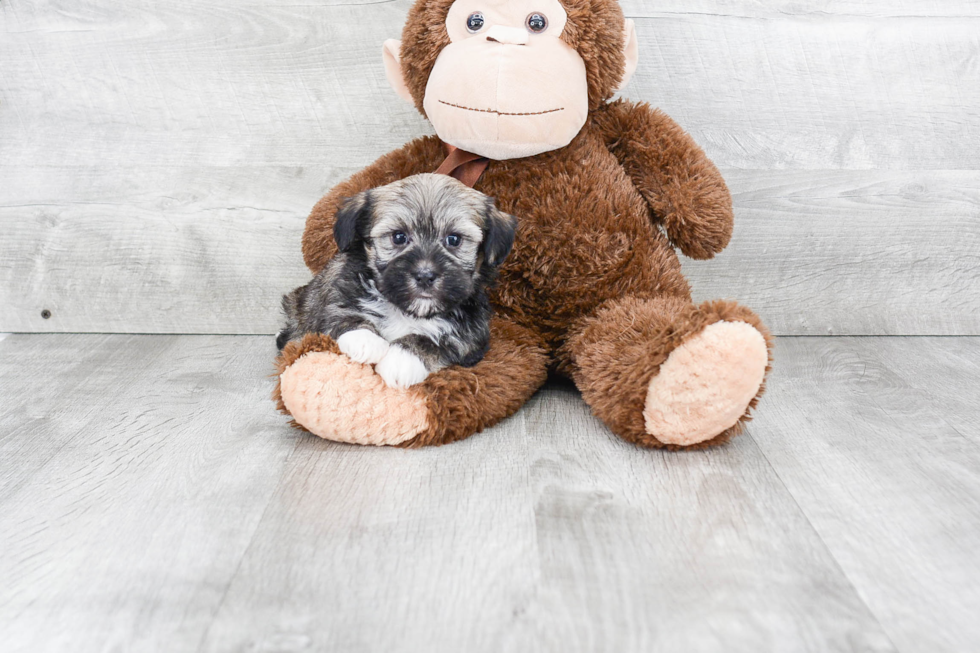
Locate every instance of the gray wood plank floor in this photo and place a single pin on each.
(151, 499)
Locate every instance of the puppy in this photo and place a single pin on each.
(407, 291)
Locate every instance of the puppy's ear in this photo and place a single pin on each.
(499, 229)
(353, 221)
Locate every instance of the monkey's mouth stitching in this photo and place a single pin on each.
(502, 113)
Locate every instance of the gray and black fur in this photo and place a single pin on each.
(427, 295)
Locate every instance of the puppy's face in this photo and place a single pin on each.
(430, 240)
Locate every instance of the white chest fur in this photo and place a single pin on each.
(393, 323)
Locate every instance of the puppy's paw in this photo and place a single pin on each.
(363, 346)
(401, 368)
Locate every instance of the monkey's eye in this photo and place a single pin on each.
(536, 22)
(399, 238)
(453, 240)
(474, 23)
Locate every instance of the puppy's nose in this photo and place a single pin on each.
(425, 277)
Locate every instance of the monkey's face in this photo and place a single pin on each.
(511, 78)
(507, 86)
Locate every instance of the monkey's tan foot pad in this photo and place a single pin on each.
(337, 399)
(705, 385)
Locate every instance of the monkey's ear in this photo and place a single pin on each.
(631, 48)
(391, 54)
(499, 229)
(353, 221)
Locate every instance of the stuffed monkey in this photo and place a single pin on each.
(605, 191)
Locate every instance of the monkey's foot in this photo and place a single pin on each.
(337, 399)
(706, 384)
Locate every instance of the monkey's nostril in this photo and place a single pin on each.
(507, 35)
(493, 40)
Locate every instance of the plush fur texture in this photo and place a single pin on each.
(615, 353)
(594, 28)
(586, 234)
(448, 406)
(363, 409)
(705, 383)
(593, 288)
(477, 96)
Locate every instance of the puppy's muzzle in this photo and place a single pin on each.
(425, 277)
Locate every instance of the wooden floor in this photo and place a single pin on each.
(158, 160)
(152, 499)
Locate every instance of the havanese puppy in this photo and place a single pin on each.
(407, 291)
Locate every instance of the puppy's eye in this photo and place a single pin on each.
(454, 240)
(474, 23)
(399, 238)
(536, 22)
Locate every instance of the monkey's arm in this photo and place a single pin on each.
(421, 155)
(683, 188)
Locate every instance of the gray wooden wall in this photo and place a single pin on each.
(158, 157)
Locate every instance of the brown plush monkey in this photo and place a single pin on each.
(604, 191)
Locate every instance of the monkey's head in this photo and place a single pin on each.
(511, 78)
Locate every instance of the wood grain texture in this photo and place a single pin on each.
(133, 472)
(158, 159)
(674, 552)
(178, 512)
(832, 252)
(946, 371)
(879, 445)
(147, 83)
(544, 534)
(821, 9)
(852, 253)
(214, 254)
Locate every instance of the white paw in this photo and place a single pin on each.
(363, 346)
(401, 368)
